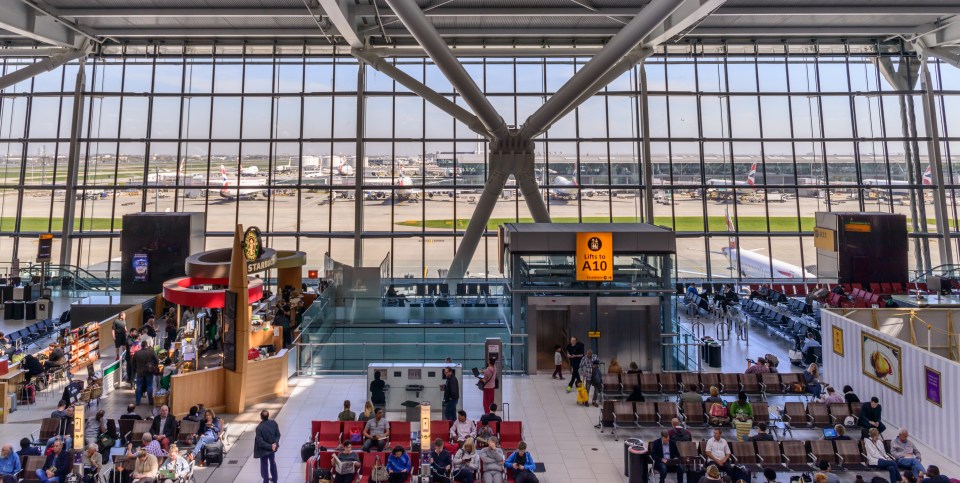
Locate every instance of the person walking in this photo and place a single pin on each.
(574, 355)
(451, 394)
(120, 333)
(265, 447)
(146, 363)
(489, 385)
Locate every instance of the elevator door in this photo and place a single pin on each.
(553, 328)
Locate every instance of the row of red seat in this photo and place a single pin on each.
(802, 289)
(331, 434)
(368, 460)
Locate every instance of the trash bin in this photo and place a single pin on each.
(637, 464)
(713, 354)
(627, 443)
(413, 411)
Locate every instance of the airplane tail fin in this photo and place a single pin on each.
(752, 178)
(927, 179)
(730, 228)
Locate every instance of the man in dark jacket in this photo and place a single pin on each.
(575, 356)
(265, 446)
(871, 416)
(451, 393)
(57, 466)
(164, 427)
(146, 362)
(665, 456)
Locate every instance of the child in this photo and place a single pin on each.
(583, 399)
(557, 363)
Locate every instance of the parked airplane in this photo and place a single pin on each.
(231, 189)
(755, 265)
(249, 171)
(887, 186)
(401, 181)
(750, 181)
(171, 176)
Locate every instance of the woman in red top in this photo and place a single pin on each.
(489, 385)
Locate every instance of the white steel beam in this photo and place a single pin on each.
(22, 19)
(688, 15)
(648, 19)
(434, 45)
(431, 96)
(940, 34)
(369, 11)
(340, 19)
(45, 65)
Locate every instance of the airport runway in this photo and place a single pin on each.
(316, 212)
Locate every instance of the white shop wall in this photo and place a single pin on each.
(933, 425)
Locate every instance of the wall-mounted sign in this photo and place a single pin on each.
(594, 257)
(824, 239)
(934, 392)
(593, 334)
(45, 248)
(141, 267)
(838, 341)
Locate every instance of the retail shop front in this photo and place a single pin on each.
(609, 285)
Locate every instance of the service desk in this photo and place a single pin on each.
(13, 376)
(272, 336)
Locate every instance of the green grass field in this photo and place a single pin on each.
(683, 223)
(41, 224)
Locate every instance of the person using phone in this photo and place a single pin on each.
(466, 462)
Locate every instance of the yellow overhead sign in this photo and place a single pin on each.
(823, 238)
(594, 257)
(857, 226)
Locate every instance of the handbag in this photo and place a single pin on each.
(480, 384)
(798, 387)
(718, 411)
(379, 472)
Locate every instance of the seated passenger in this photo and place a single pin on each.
(933, 475)
(462, 429)
(491, 462)
(521, 462)
(346, 414)
(850, 396)
(614, 367)
(841, 434)
(762, 434)
(758, 367)
(346, 463)
(636, 395)
(689, 396)
(634, 369)
(441, 463)
(466, 462)
(398, 465)
(376, 432)
(811, 377)
(832, 396)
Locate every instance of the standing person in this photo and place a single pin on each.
(451, 393)
(377, 396)
(146, 364)
(574, 355)
(489, 385)
(557, 363)
(120, 333)
(133, 346)
(170, 334)
(265, 446)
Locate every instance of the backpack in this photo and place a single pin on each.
(356, 436)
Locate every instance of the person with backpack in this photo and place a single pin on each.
(522, 465)
(146, 364)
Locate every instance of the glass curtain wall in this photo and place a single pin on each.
(327, 156)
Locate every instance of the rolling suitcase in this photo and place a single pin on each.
(213, 453)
